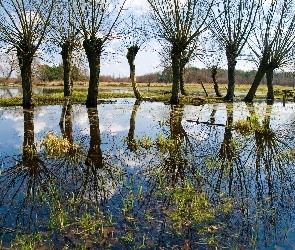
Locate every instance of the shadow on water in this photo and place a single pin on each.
(180, 185)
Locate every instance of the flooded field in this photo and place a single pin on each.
(132, 175)
(6, 92)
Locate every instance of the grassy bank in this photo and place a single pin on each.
(152, 92)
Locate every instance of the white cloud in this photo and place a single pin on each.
(138, 4)
(81, 118)
(113, 128)
(40, 126)
(15, 116)
(19, 127)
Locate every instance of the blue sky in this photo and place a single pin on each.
(147, 59)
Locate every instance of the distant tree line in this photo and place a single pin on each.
(43, 73)
(47, 73)
(197, 75)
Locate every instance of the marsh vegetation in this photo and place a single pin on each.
(136, 174)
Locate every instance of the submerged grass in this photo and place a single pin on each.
(191, 207)
(77, 221)
(28, 242)
(55, 146)
(245, 126)
(73, 225)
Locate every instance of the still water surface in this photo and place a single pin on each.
(122, 164)
(6, 92)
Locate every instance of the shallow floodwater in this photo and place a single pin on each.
(6, 92)
(131, 161)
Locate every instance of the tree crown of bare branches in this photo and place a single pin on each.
(62, 26)
(232, 22)
(192, 51)
(97, 18)
(134, 29)
(24, 22)
(179, 22)
(274, 36)
(211, 53)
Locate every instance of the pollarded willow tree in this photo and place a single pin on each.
(96, 20)
(64, 34)
(131, 54)
(232, 22)
(212, 56)
(23, 24)
(134, 38)
(189, 54)
(273, 42)
(179, 23)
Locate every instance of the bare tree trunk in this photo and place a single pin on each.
(258, 77)
(93, 49)
(132, 51)
(215, 82)
(66, 53)
(183, 61)
(269, 80)
(8, 76)
(181, 80)
(231, 66)
(203, 87)
(25, 59)
(175, 57)
(26, 74)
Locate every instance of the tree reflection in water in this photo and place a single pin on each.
(95, 183)
(66, 122)
(257, 172)
(130, 139)
(24, 184)
(59, 195)
(133, 192)
(165, 166)
(176, 164)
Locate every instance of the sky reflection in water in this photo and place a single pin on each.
(256, 171)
